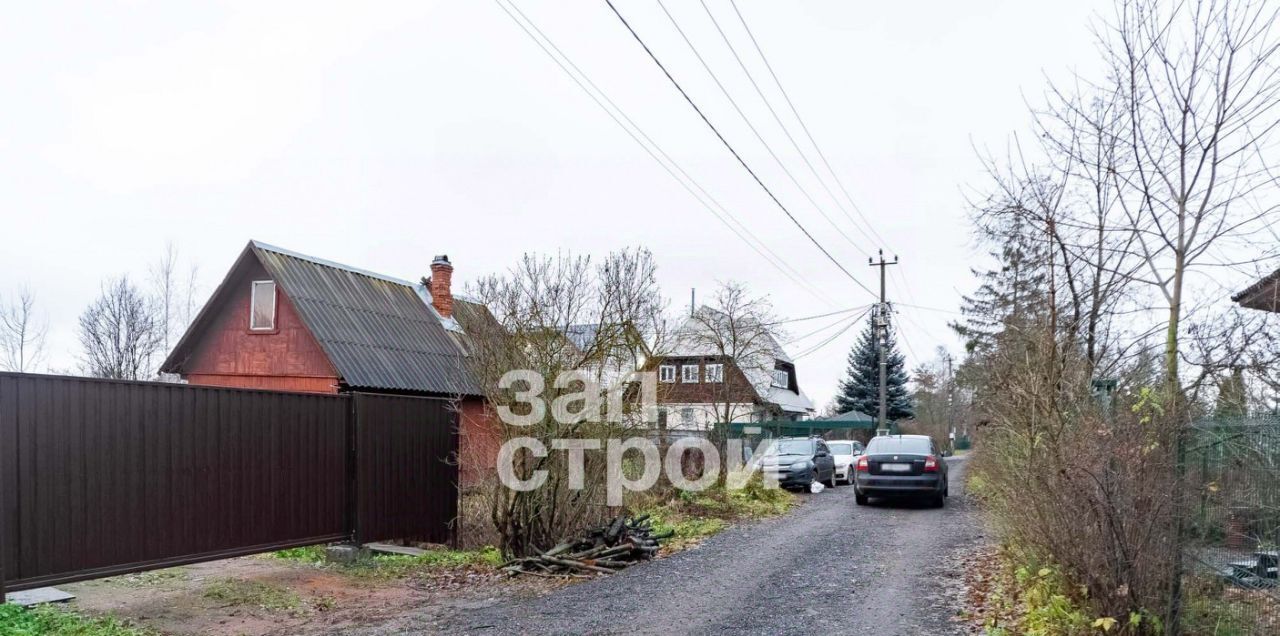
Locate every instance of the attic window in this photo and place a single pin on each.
(262, 308)
(667, 373)
(689, 373)
(715, 373)
(781, 378)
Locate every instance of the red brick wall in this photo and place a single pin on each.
(479, 438)
(286, 359)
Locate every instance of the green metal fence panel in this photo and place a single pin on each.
(1231, 519)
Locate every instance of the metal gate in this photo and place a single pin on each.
(102, 477)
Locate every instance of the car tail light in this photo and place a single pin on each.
(862, 465)
(930, 464)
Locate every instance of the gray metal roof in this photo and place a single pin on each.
(376, 330)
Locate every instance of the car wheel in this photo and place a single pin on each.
(860, 499)
(938, 501)
(831, 481)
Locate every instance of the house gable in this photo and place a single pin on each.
(220, 349)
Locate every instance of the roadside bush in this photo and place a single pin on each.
(1033, 597)
(1061, 476)
(51, 621)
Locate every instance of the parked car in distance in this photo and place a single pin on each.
(845, 452)
(797, 462)
(901, 466)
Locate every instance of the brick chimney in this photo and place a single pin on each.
(441, 283)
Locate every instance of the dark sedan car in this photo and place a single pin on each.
(901, 466)
(797, 462)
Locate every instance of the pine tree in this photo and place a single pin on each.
(1011, 294)
(860, 390)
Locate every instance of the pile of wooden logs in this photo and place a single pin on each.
(602, 550)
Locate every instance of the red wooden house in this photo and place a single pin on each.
(284, 321)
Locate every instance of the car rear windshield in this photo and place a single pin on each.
(841, 449)
(791, 447)
(904, 445)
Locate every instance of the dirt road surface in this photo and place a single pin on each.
(827, 567)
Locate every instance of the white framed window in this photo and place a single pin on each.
(262, 306)
(715, 373)
(780, 378)
(689, 373)
(686, 415)
(667, 373)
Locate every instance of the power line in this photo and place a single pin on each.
(803, 127)
(776, 261)
(796, 112)
(833, 337)
(903, 337)
(804, 318)
(729, 146)
(751, 126)
(945, 311)
(803, 155)
(920, 327)
(817, 331)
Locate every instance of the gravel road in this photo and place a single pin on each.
(828, 566)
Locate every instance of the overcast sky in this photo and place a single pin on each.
(380, 134)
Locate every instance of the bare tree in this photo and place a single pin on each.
(1161, 172)
(22, 334)
(562, 317)
(164, 291)
(174, 295)
(1201, 95)
(120, 333)
(739, 331)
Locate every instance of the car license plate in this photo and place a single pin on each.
(895, 468)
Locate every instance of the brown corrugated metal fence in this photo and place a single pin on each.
(405, 445)
(102, 477)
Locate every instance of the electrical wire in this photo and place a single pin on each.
(803, 126)
(656, 150)
(804, 318)
(734, 152)
(832, 338)
(906, 285)
(901, 335)
(925, 308)
(786, 131)
(837, 322)
(747, 120)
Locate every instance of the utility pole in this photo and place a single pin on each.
(882, 337)
(951, 403)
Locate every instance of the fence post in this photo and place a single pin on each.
(4, 512)
(352, 468)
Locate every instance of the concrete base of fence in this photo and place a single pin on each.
(38, 596)
(345, 553)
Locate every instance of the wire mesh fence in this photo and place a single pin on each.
(1232, 526)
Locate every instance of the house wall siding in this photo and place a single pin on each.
(287, 358)
(701, 416)
(735, 388)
